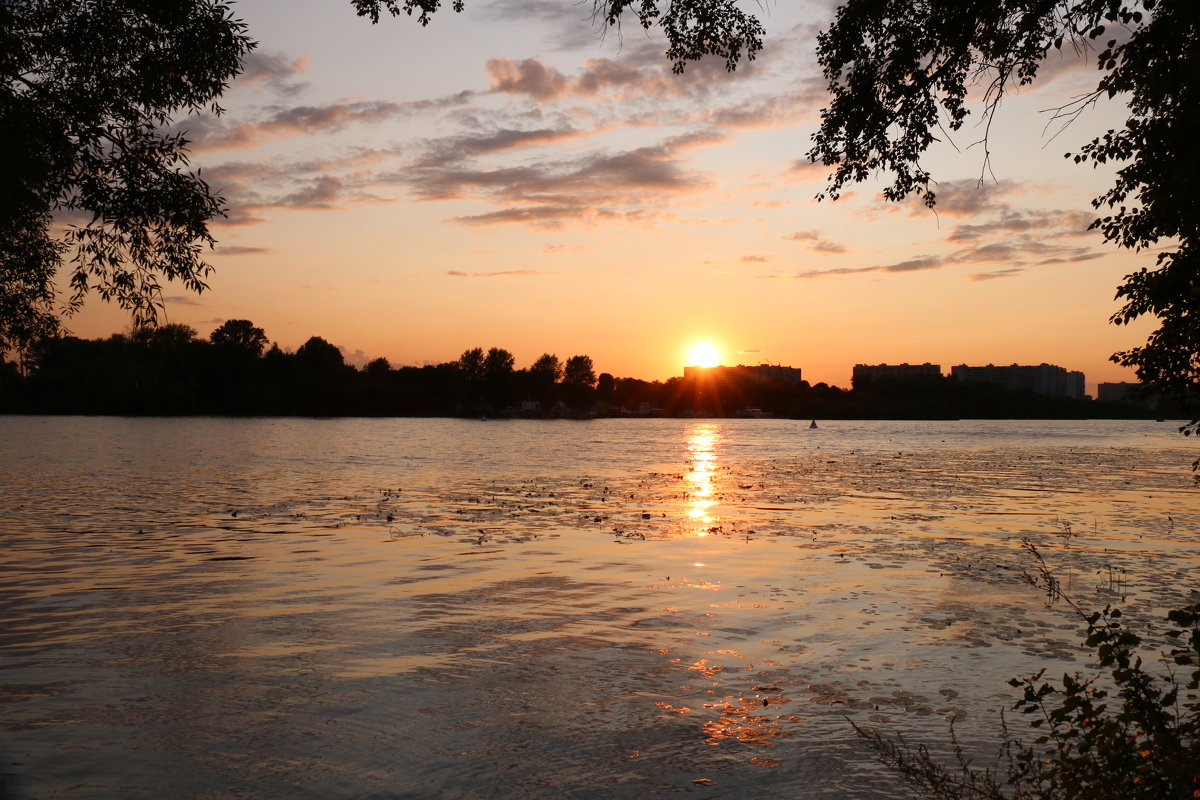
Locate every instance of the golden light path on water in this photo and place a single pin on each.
(702, 443)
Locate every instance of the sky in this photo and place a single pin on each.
(514, 177)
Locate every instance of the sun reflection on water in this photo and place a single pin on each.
(701, 478)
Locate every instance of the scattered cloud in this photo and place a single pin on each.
(1063, 223)
(242, 250)
(991, 276)
(566, 25)
(628, 184)
(356, 359)
(641, 72)
(454, 149)
(769, 111)
(529, 77)
(1080, 254)
(918, 264)
(209, 132)
(508, 273)
(755, 259)
(816, 242)
(966, 198)
(183, 300)
(274, 70)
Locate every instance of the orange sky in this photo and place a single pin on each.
(506, 178)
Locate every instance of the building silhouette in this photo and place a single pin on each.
(1045, 379)
(759, 373)
(1126, 392)
(869, 373)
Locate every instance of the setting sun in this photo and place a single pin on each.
(703, 354)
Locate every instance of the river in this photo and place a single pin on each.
(432, 608)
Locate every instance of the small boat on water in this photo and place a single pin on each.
(812, 425)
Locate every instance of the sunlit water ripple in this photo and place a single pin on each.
(261, 608)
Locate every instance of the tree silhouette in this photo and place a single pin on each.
(240, 336)
(378, 368)
(898, 71)
(498, 364)
(89, 88)
(547, 369)
(319, 355)
(471, 364)
(498, 377)
(579, 372)
(579, 376)
(544, 375)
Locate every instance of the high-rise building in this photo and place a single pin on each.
(1126, 392)
(759, 373)
(1046, 379)
(868, 373)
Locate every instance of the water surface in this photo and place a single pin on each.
(295, 608)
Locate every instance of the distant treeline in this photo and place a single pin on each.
(169, 370)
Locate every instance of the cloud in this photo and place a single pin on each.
(632, 184)
(529, 77)
(965, 198)
(208, 132)
(640, 73)
(356, 359)
(816, 242)
(565, 25)
(452, 149)
(274, 70)
(508, 273)
(252, 188)
(918, 264)
(914, 264)
(322, 193)
(769, 111)
(1063, 223)
(242, 250)
(755, 259)
(212, 134)
(1080, 254)
(804, 171)
(991, 276)
(1021, 249)
(183, 300)
(542, 216)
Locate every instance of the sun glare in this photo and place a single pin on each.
(703, 354)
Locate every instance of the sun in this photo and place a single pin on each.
(703, 354)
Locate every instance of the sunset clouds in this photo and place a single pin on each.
(413, 192)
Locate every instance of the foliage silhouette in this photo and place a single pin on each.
(899, 74)
(169, 370)
(240, 336)
(88, 89)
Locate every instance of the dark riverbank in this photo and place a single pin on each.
(169, 372)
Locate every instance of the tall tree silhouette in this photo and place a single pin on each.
(87, 90)
(240, 336)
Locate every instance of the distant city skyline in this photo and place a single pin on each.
(506, 177)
